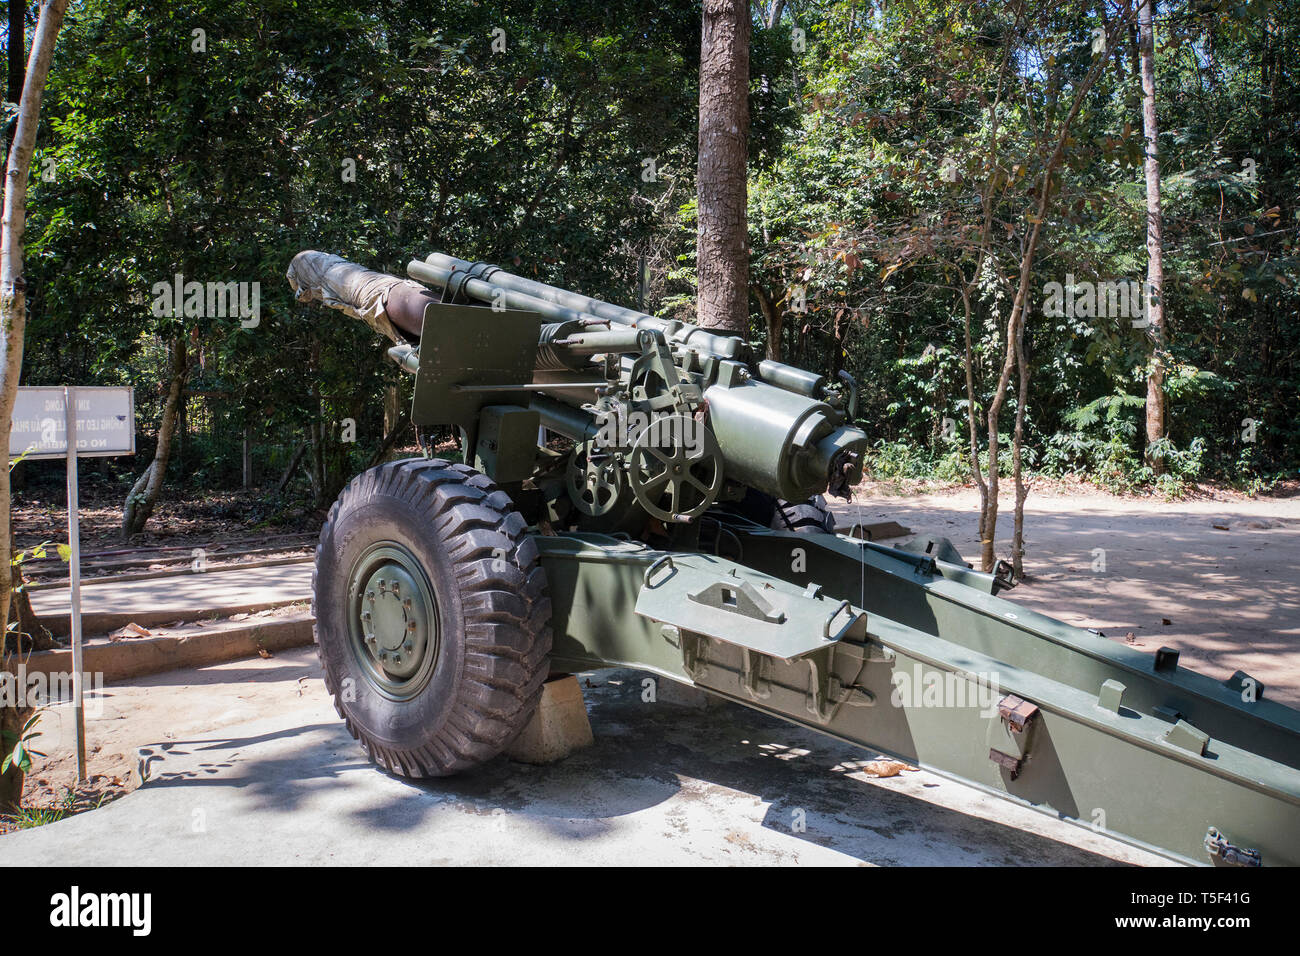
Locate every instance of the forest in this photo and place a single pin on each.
(951, 200)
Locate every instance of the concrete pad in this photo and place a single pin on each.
(558, 727)
(661, 785)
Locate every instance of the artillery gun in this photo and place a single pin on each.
(640, 492)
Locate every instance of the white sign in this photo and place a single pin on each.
(105, 422)
(101, 422)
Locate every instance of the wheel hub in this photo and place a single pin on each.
(396, 628)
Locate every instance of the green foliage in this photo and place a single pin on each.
(876, 206)
(28, 817)
(19, 745)
(221, 165)
(1101, 445)
(875, 151)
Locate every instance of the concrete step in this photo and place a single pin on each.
(109, 605)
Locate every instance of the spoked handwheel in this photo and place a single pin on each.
(675, 468)
(594, 479)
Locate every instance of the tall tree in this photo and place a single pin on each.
(143, 496)
(1155, 251)
(13, 322)
(722, 252)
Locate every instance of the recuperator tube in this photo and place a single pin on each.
(779, 441)
(691, 336)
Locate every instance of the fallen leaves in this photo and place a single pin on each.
(131, 630)
(884, 767)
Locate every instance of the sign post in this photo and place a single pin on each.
(96, 422)
(74, 576)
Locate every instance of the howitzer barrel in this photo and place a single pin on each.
(445, 267)
(540, 290)
(385, 303)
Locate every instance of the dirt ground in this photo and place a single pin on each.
(160, 707)
(1217, 577)
(41, 514)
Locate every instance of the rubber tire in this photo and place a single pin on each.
(804, 517)
(493, 611)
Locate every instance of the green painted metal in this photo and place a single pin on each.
(506, 448)
(772, 437)
(694, 594)
(466, 355)
(394, 623)
(907, 652)
(1154, 757)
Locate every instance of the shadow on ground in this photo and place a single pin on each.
(725, 785)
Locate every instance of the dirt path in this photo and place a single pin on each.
(1217, 579)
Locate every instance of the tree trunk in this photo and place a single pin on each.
(1155, 254)
(13, 320)
(22, 617)
(390, 438)
(1017, 459)
(317, 432)
(839, 329)
(722, 260)
(773, 320)
(11, 781)
(291, 468)
(393, 407)
(1019, 308)
(972, 412)
(144, 493)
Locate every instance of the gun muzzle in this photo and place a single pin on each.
(391, 306)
